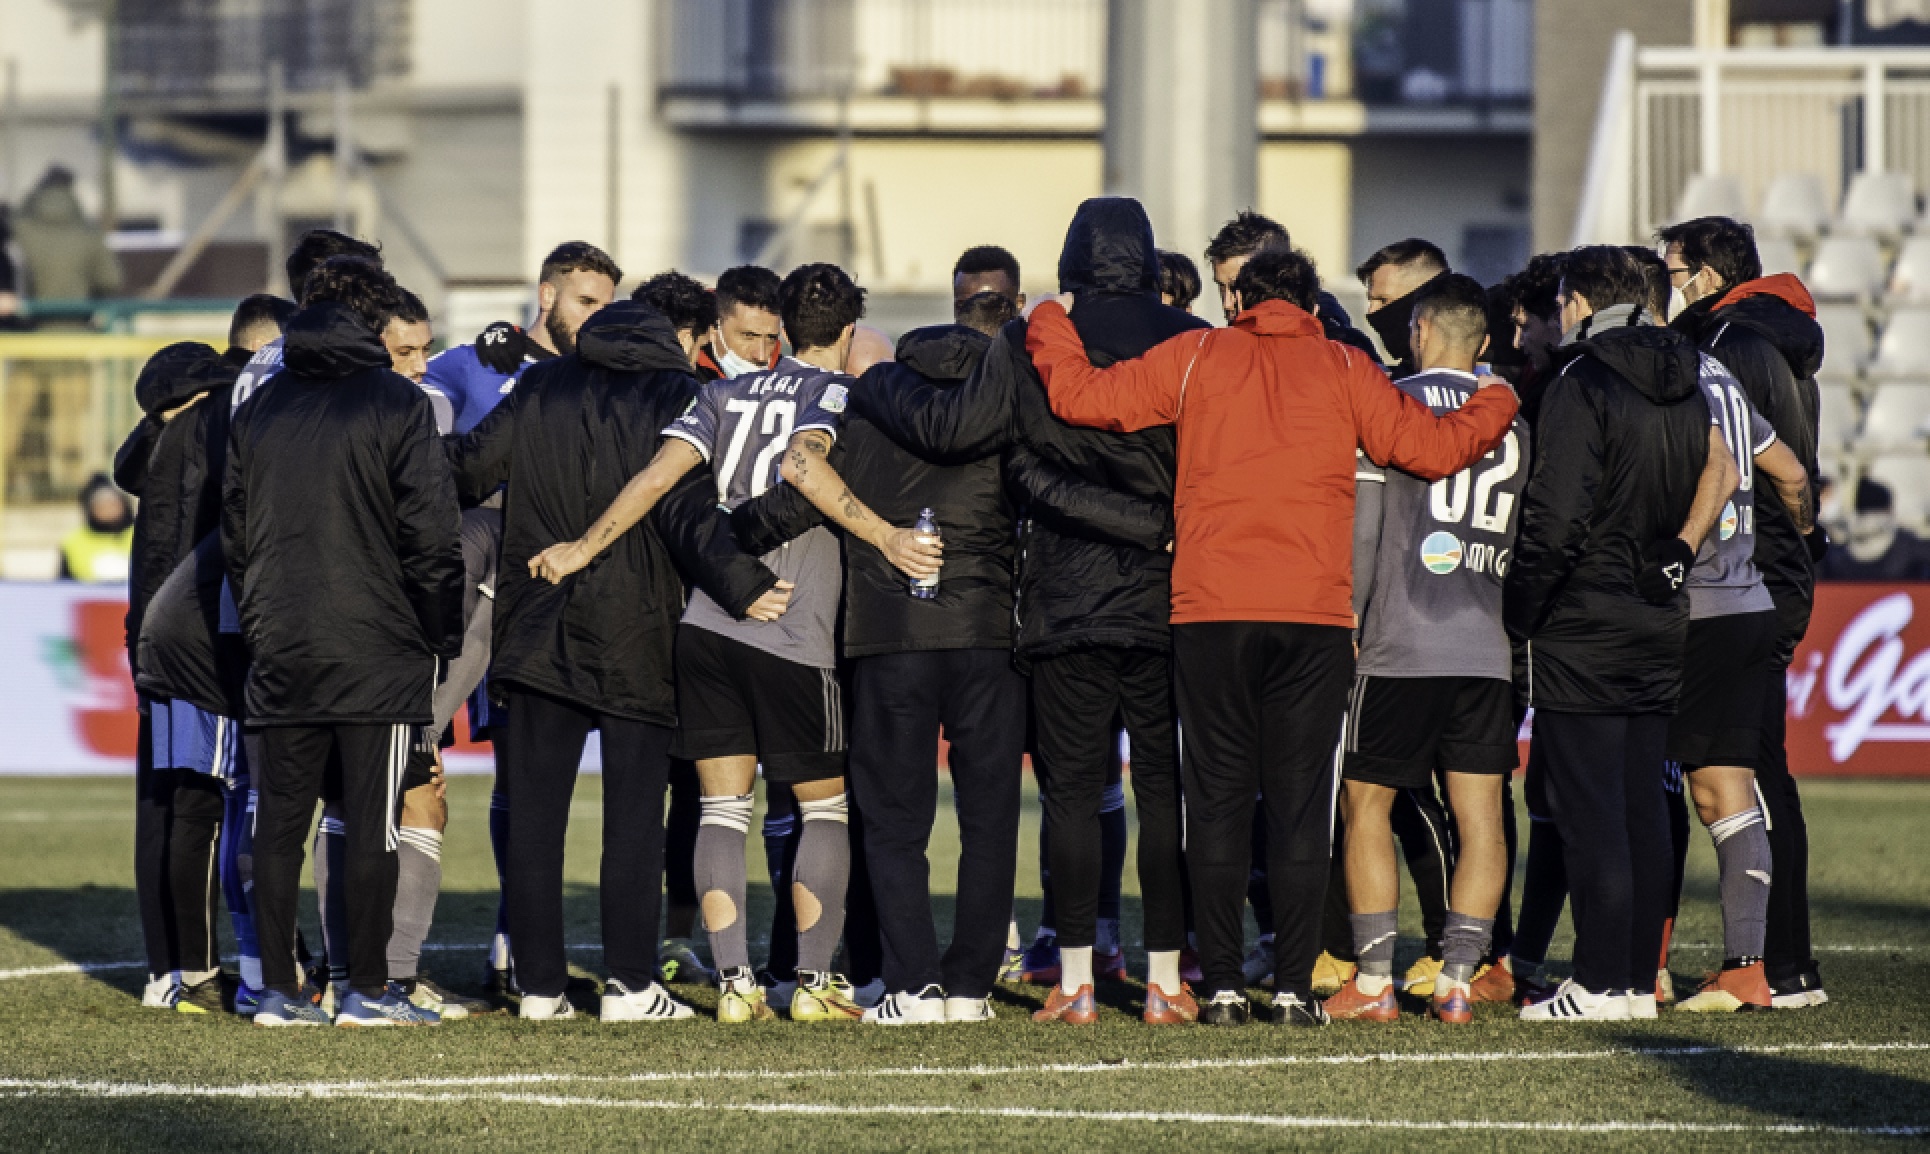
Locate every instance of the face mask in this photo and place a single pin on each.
(1391, 322)
(732, 364)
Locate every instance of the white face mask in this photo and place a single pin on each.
(732, 364)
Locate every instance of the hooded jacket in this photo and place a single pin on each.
(174, 466)
(1620, 445)
(339, 525)
(1269, 413)
(565, 441)
(1093, 570)
(65, 255)
(1765, 332)
(181, 651)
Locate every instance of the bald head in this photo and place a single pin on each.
(869, 346)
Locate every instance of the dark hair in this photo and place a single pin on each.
(986, 311)
(409, 308)
(358, 284)
(1655, 271)
(578, 256)
(1873, 497)
(1717, 242)
(987, 258)
(257, 311)
(688, 306)
(1179, 278)
(1246, 234)
(749, 285)
(1536, 289)
(1278, 275)
(1606, 275)
(1425, 255)
(317, 245)
(1456, 303)
(816, 302)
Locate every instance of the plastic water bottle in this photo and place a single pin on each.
(926, 588)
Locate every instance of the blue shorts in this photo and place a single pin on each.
(188, 737)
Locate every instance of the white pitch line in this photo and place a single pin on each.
(1028, 1113)
(68, 968)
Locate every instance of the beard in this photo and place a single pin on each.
(562, 337)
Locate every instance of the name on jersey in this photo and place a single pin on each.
(786, 385)
(1441, 397)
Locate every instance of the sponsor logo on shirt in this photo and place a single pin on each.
(834, 398)
(1730, 521)
(1441, 553)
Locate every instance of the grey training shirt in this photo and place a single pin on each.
(1725, 581)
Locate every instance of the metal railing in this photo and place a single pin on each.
(223, 48)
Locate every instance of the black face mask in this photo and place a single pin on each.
(1391, 322)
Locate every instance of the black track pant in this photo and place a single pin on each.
(1261, 705)
(177, 830)
(1075, 698)
(1786, 945)
(294, 760)
(545, 749)
(151, 827)
(680, 834)
(899, 703)
(1604, 782)
(1426, 834)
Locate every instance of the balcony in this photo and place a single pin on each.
(216, 54)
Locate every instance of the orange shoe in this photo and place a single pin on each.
(1739, 990)
(1073, 1009)
(1163, 1009)
(1351, 1003)
(1494, 983)
(1450, 1004)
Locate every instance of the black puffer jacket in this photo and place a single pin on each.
(339, 525)
(1622, 439)
(1774, 347)
(174, 466)
(181, 650)
(1079, 587)
(566, 440)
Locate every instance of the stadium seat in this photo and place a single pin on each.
(1839, 420)
(1794, 207)
(1778, 255)
(1846, 268)
(1910, 279)
(1879, 204)
(1711, 195)
(1897, 416)
(1846, 341)
(1908, 476)
(1904, 349)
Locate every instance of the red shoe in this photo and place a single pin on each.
(1450, 1004)
(1163, 1009)
(1739, 990)
(1109, 966)
(1073, 1009)
(1351, 1003)
(1189, 966)
(1494, 983)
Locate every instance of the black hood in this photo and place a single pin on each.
(943, 352)
(176, 374)
(1795, 333)
(326, 342)
(1663, 364)
(1109, 248)
(631, 337)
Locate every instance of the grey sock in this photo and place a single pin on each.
(719, 875)
(418, 881)
(1743, 863)
(1463, 944)
(331, 877)
(1374, 937)
(823, 871)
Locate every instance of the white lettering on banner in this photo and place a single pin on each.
(1866, 690)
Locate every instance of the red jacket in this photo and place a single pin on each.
(1268, 413)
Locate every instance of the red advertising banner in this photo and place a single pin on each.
(1859, 689)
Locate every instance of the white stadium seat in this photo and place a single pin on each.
(1908, 477)
(1897, 416)
(1846, 341)
(1837, 428)
(1711, 195)
(1904, 348)
(1878, 204)
(1910, 279)
(1795, 206)
(1778, 255)
(1847, 268)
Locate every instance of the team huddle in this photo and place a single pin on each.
(1303, 598)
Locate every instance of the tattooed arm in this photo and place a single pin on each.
(806, 468)
(675, 458)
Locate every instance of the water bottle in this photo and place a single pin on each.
(926, 588)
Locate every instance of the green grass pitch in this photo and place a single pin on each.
(82, 1067)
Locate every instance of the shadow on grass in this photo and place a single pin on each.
(1793, 1090)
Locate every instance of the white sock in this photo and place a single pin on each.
(1012, 935)
(499, 952)
(1075, 968)
(251, 972)
(1162, 970)
(1373, 984)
